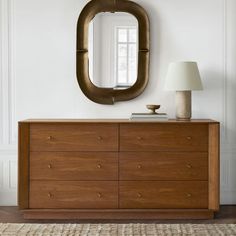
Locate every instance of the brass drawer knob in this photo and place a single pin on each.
(99, 166)
(189, 166)
(49, 166)
(100, 138)
(189, 138)
(99, 195)
(188, 195)
(139, 195)
(50, 138)
(49, 195)
(139, 166)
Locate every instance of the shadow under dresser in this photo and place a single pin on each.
(118, 169)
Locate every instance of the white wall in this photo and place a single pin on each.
(38, 78)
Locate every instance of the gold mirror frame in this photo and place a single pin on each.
(110, 95)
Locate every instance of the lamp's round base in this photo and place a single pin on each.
(183, 119)
(183, 105)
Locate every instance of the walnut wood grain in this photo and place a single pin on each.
(163, 166)
(163, 169)
(74, 137)
(164, 137)
(163, 194)
(23, 165)
(214, 170)
(73, 194)
(74, 166)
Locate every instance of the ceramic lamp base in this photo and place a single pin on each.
(183, 105)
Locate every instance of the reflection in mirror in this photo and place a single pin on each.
(113, 50)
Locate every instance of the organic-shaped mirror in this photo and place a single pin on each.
(112, 50)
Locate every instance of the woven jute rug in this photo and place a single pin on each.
(117, 229)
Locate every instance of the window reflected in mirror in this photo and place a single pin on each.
(113, 50)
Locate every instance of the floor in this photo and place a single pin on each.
(227, 215)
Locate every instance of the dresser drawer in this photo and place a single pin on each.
(73, 194)
(73, 166)
(73, 137)
(164, 194)
(163, 166)
(164, 137)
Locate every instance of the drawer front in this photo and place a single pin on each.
(163, 166)
(73, 166)
(164, 137)
(73, 194)
(165, 195)
(73, 137)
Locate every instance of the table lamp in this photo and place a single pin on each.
(183, 77)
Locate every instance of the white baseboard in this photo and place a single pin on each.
(228, 198)
(8, 175)
(8, 198)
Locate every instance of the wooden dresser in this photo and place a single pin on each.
(118, 169)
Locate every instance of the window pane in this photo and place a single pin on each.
(126, 55)
(133, 35)
(122, 50)
(122, 35)
(132, 63)
(132, 51)
(122, 70)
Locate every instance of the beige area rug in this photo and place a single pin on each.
(117, 229)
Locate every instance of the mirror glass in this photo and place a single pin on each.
(113, 50)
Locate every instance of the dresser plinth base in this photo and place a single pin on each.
(111, 214)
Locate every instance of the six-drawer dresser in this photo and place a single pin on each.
(118, 169)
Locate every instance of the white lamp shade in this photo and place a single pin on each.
(183, 76)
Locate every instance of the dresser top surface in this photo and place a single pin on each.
(124, 121)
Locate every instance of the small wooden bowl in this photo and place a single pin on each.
(153, 108)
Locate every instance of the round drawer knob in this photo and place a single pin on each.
(139, 166)
(189, 138)
(49, 166)
(49, 195)
(99, 166)
(140, 138)
(100, 138)
(188, 195)
(139, 195)
(49, 138)
(189, 166)
(99, 195)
